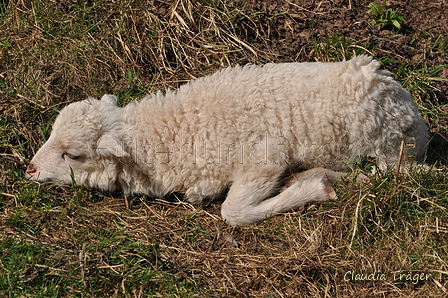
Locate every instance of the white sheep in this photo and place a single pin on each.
(242, 129)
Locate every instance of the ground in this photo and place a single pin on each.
(384, 237)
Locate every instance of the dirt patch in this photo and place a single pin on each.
(288, 30)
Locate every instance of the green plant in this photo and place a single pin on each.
(334, 47)
(385, 17)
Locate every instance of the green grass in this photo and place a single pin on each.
(35, 262)
(69, 241)
(40, 270)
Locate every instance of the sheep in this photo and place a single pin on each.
(242, 130)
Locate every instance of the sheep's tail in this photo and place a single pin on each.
(367, 64)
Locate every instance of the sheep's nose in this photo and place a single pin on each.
(31, 169)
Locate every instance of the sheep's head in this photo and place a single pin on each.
(86, 140)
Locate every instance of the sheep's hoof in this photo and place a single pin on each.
(331, 194)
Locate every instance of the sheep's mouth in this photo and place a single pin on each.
(43, 179)
(32, 177)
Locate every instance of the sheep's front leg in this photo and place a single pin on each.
(248, 198)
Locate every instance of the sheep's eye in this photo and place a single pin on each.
(71, 156)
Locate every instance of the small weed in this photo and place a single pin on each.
(332, 47)
(385, 17)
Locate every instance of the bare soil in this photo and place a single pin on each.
(292, 34)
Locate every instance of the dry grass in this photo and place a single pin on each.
(68, 241)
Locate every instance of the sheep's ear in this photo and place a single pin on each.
(112, 99)
(110, 145)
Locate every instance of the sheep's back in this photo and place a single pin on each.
(304, 113)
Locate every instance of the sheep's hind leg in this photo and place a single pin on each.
(248, 202)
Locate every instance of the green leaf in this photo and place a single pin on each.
(396, 24)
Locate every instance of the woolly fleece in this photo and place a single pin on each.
(242, 129)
